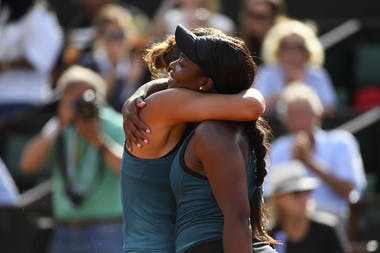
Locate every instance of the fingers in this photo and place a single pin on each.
(128, 145)
(133, 135)
(140, 103)
(65, 112)
(89, 129)
(140, 125)
(141, 128)
(135, 129)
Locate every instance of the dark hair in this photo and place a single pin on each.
(225, 59)
(236, 69)
(259, 134)
(17, 8)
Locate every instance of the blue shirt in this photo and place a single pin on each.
(338, 152)
(270, 81)
(199, 217)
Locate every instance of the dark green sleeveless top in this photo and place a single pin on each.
(148, 203)
(198, 216)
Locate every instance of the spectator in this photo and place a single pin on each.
(29, 46)
(112, 54)
(84, 142)
(332, 156)
(256, 19)
(292, 52)
(297, 226)
(191, 14)
(81, 31)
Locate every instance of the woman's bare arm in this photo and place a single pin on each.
(135, 129)
(178, 105)
(224, 165)
(173, 106)
(149, 88)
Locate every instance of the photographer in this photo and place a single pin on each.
(83, 143)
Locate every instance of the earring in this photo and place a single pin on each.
(201, 88)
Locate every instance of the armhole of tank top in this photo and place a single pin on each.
(188, 132)
(182, 158)
(172, 151)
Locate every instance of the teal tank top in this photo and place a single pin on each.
(148, 203)
(198, 216)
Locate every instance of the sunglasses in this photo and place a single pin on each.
(114, 35)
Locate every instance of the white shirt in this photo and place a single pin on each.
(38, 38)
(9, 194)
(339, 152)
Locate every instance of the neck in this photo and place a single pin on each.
(296, 228)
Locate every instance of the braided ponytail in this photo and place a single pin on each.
(259, 135)
(261, 147)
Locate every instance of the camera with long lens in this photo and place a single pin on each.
(86, 106)
(75, 195)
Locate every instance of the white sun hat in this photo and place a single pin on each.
(290, 177)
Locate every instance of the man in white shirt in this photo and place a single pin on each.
(30, 43)
(332, 156)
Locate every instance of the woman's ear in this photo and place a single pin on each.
(207, 84)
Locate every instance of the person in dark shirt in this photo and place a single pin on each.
(296, 226)
(256, 18)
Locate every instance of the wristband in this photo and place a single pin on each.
(51, 129)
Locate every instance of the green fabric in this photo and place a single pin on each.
(103, 195)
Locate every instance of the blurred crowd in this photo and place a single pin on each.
(312, 172)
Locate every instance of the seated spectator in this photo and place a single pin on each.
(112, 54)
(292, 52)
(297, 227)
(30, 42)
(332, 156)
(256, 19)
(191, 14)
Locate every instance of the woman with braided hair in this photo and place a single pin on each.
(216, 178)
(219, 166)
(217, 174)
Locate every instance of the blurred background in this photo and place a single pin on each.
(348, 31)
